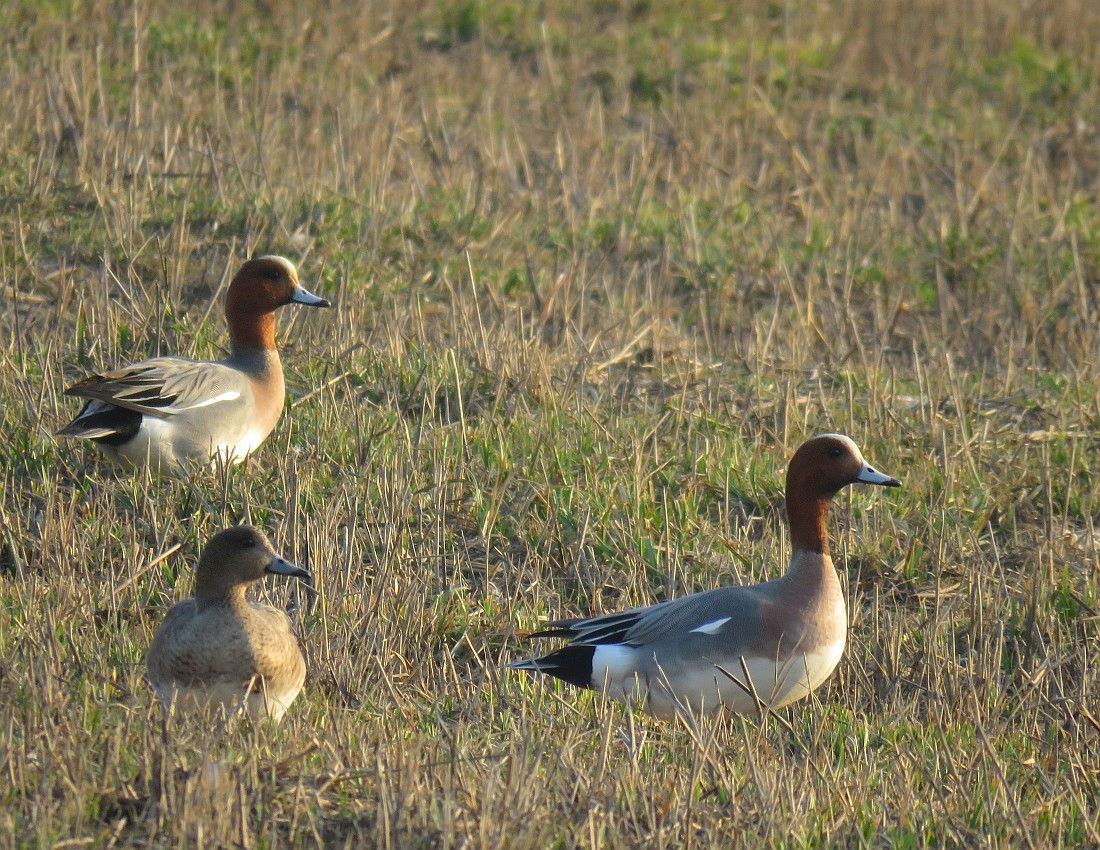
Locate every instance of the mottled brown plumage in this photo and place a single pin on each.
(220, 649)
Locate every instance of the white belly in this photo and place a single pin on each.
(157, 442)
(152, 443)
(230, 697)
(237, 451)
(705, 688)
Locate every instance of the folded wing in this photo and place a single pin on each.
(160, 387)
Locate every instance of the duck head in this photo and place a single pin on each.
(236, 557)
(263, 285)
(820, 468)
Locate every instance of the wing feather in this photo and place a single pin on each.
(163, 386)
(652, 623)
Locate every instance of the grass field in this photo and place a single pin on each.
(596, 273)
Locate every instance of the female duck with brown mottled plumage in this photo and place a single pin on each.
(220, 649)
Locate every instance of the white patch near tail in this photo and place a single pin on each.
(153, 441)
(612, 665)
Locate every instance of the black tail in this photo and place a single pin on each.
(572, 664)
(103, 423)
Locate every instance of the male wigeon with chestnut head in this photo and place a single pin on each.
(168, 410)
(219, 649)
(692, 653)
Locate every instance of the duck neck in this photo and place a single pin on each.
(260, 363)
(252, 346)
(212, 592)
(810, 573)
(251, 334)
(809, 521)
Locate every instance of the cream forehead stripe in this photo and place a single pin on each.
(284, 262)
(848, 441)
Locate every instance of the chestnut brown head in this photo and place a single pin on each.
(266, 283)
(828, 462)
(820, 468)
(263, 285)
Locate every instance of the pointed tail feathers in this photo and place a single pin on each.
(572, 664)
(104, 422)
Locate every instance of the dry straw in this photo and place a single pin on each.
(596, 272)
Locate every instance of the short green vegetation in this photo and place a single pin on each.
(597, 270)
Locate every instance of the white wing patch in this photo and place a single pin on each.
(228, 395)
(711, 628)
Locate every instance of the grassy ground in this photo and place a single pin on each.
(597, 273)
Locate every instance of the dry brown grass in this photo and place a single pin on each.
(597, 273)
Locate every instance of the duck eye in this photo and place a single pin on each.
(835, 451)
(249, 543)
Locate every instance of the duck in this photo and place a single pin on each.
(691, 654)
(220, 649)
(173, 412)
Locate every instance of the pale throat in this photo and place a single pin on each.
(811, 568)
